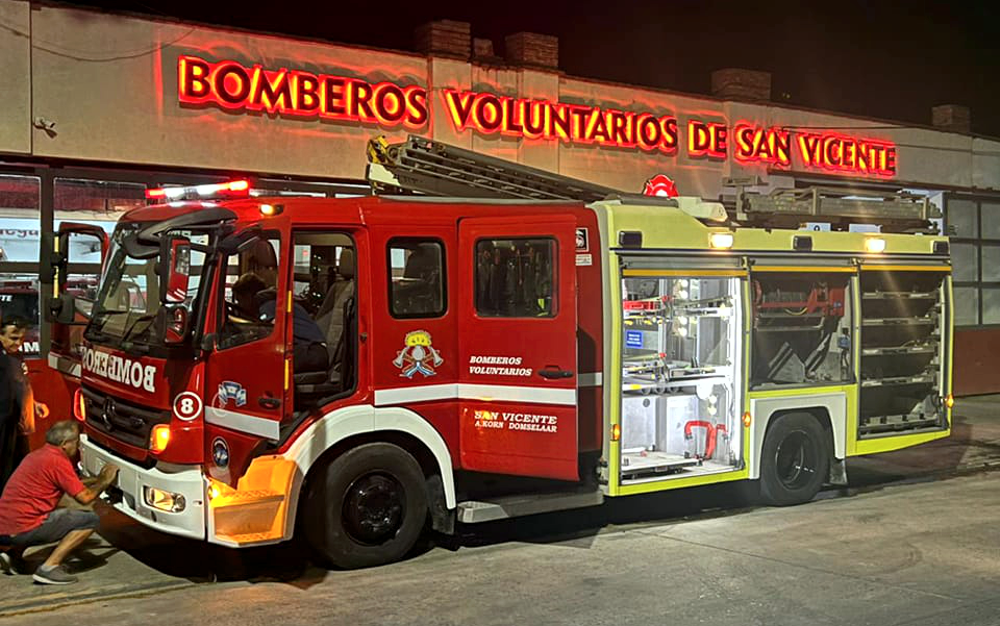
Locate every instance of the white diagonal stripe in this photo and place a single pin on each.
(64, 365)
(243, 422)
(510, 393)
(467, 391)
(422, 393)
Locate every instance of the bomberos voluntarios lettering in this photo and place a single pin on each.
(498, 366)
(120, 369)
(236, 87)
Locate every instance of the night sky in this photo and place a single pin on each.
(890, 60)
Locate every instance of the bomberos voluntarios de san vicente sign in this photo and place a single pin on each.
(299, 94)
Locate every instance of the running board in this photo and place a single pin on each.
(473, 512)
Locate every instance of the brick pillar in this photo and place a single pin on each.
(533, 50)
(446, 38)
(952, 117)
(739, 84)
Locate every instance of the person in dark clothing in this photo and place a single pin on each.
(18, 408)
(309, 344)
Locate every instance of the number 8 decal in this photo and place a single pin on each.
(187, 406)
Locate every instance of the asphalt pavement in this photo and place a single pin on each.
(930, 504)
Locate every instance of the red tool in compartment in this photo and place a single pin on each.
(712, 431)
(822, 299)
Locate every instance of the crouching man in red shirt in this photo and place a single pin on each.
(28, 513)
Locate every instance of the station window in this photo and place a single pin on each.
(416, 278)
(97, 203)
(515, 277)
(20, 236)
(974, 226)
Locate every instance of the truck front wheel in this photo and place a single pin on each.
(367, 507)
(795, 460)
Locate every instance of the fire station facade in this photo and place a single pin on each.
(98, 107)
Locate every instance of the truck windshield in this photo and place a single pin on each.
(128, 301)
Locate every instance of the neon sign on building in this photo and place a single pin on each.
(235, 87)
(572, 123)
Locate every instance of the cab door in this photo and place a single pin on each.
(247, 379)
(79, 254)
(517, 346)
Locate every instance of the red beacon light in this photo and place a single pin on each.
(660, 185)
(231, 189)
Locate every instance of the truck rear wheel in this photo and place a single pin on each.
(367, 507)
(795, 460)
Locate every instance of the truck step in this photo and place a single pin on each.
(474, 511)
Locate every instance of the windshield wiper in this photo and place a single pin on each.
(107, 313)
(131, 327)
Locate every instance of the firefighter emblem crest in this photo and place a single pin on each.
(418, 355)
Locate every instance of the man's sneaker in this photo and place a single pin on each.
(12, 564)
(55, 576)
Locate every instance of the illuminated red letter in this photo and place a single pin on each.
(231, 84)
(306, 93)
(416, 106)
(192, 79)
(668, 134)
(459, 106)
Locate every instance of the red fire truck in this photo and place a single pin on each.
(360, 370)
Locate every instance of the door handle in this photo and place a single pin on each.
(269, 403)
(554, 372)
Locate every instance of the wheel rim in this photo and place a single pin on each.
(796, 459)
(374, 508)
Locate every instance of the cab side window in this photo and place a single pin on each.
(416, 278)
(324, 285)
(515, 277)
(250, 294)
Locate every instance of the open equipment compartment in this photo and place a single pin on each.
(682, 340)
(902, 351)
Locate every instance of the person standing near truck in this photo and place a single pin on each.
(18, 408)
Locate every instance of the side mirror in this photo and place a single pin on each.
(62, 309)
(176, 258)
(177, 323)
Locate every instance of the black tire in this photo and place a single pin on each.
(367, 507)
(795, 460)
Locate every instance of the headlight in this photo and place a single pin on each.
(163, 500)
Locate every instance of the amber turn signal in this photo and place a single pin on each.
(159, 438)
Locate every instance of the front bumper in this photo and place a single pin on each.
(186, 480)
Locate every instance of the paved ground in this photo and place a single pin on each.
(914, 540)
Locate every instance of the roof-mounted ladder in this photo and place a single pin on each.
(898, 212)
(429, 167)
(424, 166)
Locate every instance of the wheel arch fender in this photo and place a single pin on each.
(829, 409)
(366, 423)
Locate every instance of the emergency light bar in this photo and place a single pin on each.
(233, 188)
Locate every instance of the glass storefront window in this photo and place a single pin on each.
(966, 306)
(963, 219)
(20, 237)
(974, 227)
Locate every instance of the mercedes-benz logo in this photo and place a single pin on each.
(109, 410)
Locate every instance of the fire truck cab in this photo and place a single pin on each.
(357, 370)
